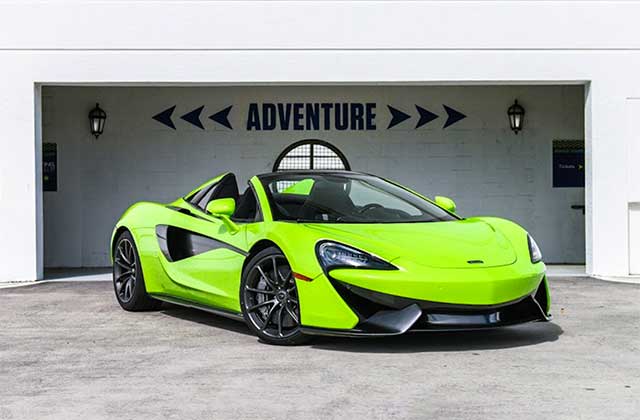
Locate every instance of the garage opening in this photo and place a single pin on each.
(161, 142)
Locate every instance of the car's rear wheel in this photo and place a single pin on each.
(269, 299)
(128, 280)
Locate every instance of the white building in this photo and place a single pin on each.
(426, 86)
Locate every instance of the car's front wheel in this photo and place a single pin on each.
(128, 281)
(269, 299)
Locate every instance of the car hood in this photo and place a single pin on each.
(467, 243)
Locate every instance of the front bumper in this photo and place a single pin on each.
(381, 314)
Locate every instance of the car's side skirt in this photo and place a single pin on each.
(190, 304)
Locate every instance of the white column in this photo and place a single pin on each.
(607, 194)
(20, 189)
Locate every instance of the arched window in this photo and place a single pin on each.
(311, 154)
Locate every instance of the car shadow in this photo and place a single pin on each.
(204, 318)
(419, 342)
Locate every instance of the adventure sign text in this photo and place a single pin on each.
(313, 116)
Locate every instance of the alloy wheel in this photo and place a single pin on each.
(125, 270)
(271, 298)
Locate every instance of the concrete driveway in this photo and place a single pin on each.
(67, 351)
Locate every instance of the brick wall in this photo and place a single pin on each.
(477, 161)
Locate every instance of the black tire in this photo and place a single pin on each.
(128, 280)
(271, 308)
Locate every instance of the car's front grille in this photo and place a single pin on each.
(438, 315)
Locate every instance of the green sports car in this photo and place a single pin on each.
(328, 253)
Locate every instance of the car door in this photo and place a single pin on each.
(201, 255)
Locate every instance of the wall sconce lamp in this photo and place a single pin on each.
(97, 117)
(516, 116)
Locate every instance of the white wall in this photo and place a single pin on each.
(478, 161)
(321, 25)
(634, 238)
(313, 42)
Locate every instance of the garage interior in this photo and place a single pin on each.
(160, 142)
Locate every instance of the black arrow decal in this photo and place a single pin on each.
(453, 116)
(222, 117)
(425, 116)
(193, 117)
(397, 116)
(165, 117)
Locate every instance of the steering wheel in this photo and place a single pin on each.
(370, 206)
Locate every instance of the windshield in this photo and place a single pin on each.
(346, 198)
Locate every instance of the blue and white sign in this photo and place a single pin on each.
(568, 164)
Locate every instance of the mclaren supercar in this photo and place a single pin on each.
(299, 254)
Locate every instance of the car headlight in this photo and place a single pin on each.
(334, 255)
(534, 250)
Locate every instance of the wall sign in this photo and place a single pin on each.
(313, 116)
(568, 164)
(49, 167)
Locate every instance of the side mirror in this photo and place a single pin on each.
(223, 208)
(446, 203)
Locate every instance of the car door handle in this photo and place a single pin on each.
(578, 207)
